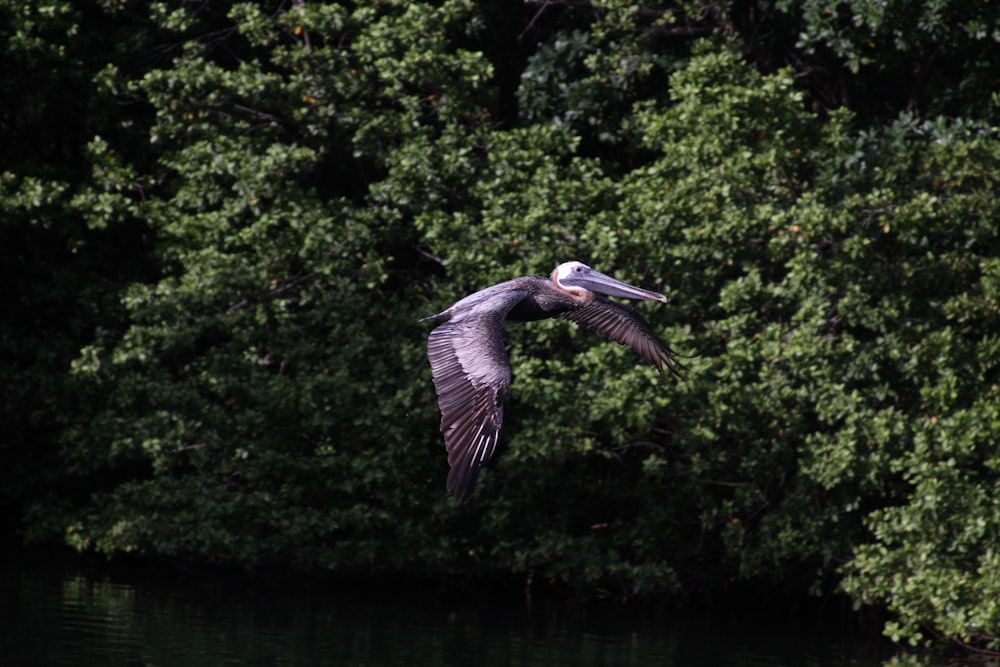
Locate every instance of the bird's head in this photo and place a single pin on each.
(578, 279)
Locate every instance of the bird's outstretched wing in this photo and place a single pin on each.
(471, 376)
(623, 324)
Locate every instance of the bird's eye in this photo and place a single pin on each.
(578, 269)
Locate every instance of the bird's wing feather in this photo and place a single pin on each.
(623, 324)
(471, 376)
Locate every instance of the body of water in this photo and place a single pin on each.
(81, 619)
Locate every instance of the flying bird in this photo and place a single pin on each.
(470, 365)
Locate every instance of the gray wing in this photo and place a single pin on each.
(624, 325)
(471, 376)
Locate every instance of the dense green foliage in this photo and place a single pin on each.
(223, 221)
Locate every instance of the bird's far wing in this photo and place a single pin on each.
(471, 375)
(623, 324)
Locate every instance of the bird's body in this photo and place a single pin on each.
(471, 369)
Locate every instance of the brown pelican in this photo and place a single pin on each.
(472, 371)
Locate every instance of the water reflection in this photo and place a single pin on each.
(59, 619)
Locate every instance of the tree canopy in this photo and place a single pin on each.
(221, 222)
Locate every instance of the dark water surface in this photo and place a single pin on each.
(71, 618)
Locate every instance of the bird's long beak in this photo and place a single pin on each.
(595, 281)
